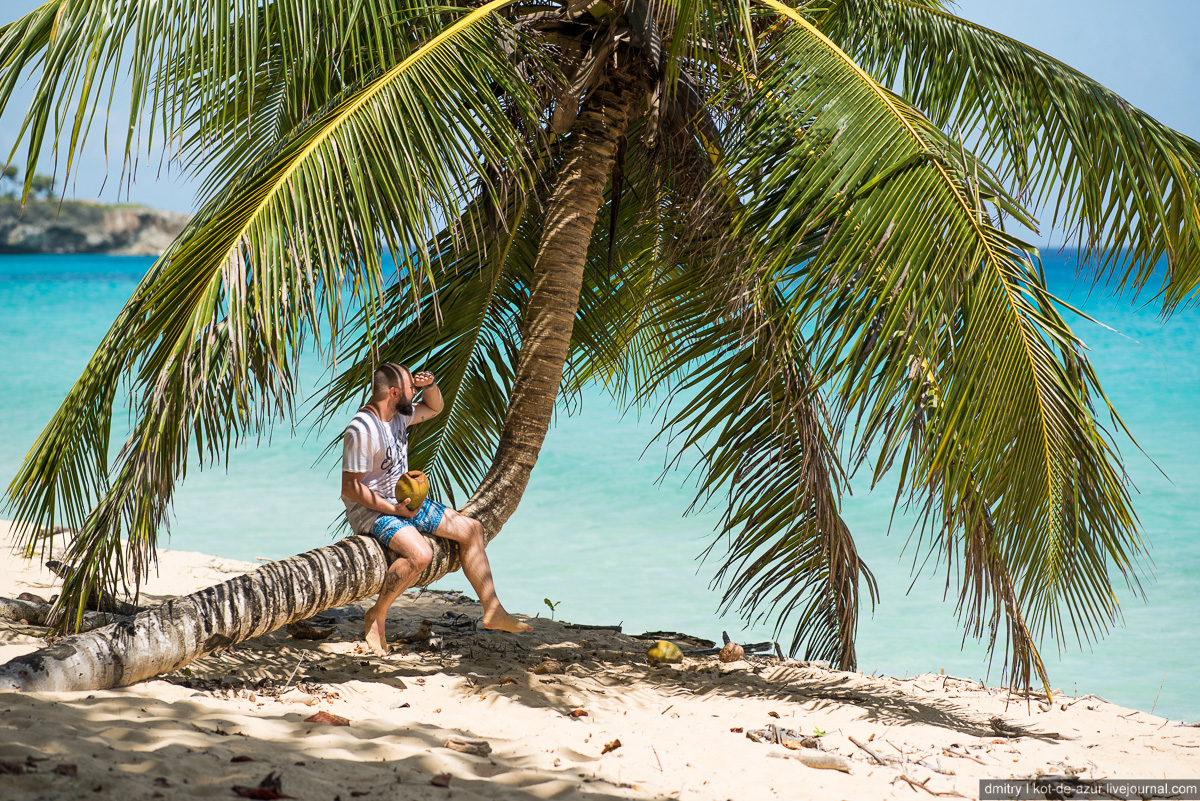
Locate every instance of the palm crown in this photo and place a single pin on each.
(758, 218)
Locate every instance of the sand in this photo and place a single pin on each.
(611, 725)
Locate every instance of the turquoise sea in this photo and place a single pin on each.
(598, 535)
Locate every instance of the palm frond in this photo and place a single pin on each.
(194, 68)
(753, 411)
(209, 336)
(618, 340)
(655, 326)
(1128, 185)
(750, 416)
(910, 267)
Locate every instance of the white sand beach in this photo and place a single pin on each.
(609, 725)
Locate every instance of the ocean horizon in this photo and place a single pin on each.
(601, 532)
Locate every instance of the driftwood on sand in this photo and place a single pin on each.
(97, 600)
(37, 613)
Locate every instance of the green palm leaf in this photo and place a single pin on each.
(1130, 184)
(752, 410)
(911, 268)
(196, 70)
(654, 327)
(987, 594)
(210, 336)
(619, 337)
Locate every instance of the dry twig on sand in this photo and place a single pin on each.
(874, 756)
(915, 784)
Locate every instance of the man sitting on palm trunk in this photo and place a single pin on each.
(374, 457)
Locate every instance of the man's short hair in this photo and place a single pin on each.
(386, 376)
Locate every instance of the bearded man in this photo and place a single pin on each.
(374, 457)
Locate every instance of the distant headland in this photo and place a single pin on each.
(77, 226)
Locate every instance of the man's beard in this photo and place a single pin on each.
(405, 409)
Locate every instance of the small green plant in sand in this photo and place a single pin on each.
(552, 604)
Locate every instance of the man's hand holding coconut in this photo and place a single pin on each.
(375, 473)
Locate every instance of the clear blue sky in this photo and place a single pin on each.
(1145, 52)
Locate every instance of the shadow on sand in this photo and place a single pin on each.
(593, 660)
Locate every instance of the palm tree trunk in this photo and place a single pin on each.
(184, 629)
(550, 314)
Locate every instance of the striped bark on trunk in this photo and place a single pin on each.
(184, 629)
(554, 298)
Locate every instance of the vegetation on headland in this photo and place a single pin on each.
(40, 186)
(718, 203)
(33, 220)
(80, 226)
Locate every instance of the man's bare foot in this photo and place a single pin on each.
(374, 632)
(503, 621)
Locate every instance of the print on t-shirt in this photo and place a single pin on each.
(379, 450)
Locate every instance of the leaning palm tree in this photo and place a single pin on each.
(782, 227)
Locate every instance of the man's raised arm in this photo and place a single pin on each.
(432, 402)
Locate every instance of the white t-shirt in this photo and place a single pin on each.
(380, 451)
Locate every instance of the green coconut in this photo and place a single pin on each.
(413, 485)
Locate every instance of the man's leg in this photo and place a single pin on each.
(415, 554)
(468, 533)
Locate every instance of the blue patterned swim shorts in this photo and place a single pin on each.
(426, 520)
